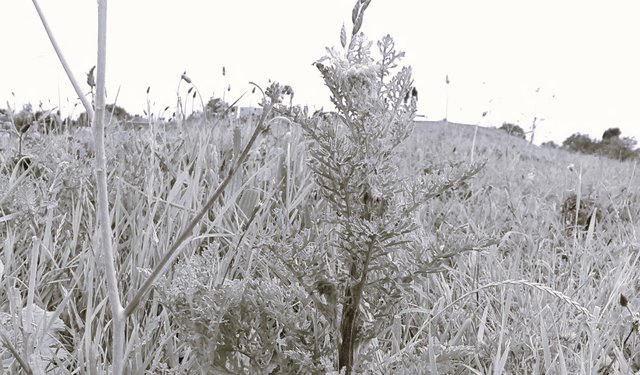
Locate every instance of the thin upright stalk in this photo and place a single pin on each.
(67, 69)
(102, 214)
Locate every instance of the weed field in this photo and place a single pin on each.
(351, 241)
(512, 287)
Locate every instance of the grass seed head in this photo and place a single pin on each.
(22, 122)
(623, 300)
(185, 77)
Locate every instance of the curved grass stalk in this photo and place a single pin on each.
(186, 233)
(63, 61)
(554, 293)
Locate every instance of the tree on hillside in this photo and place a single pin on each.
(4, 116)
(513, 130)
(48, 121)
(216, 107)
(82, 121)
(612, 146)
(115, 112)
(619, 148)
(611, 133)
(578, 142)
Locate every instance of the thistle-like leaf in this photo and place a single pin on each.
(91, 80)
(354, 12)
(357, 25)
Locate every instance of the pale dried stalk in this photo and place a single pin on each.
(102, 215)
(67, 69)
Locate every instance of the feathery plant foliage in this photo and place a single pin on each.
(327, 278)
(316, 252)
(354, 156)
(355, 164)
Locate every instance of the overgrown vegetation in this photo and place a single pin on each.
(612, 145)
(514, 130)
(345, 241)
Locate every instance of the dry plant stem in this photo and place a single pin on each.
(204, 109)
(102, 214)
(5, 340)
(67, 69)
(187, 232)
(103, 217)
(350, 316)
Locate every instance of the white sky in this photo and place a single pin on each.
(583, 55)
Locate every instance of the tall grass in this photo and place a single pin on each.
(225, 256)
(504, 328)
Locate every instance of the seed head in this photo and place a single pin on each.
(23, 122)
(185, 77)
(623, 300)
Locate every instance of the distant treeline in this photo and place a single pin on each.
(612, 145)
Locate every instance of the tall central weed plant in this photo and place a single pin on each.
(354, 154)
(355, 161)
(328, 266)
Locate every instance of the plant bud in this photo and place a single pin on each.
(623, 300)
